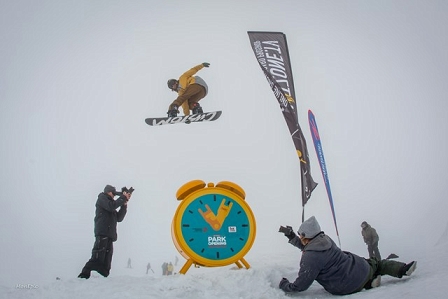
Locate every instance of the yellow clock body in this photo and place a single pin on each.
(213, 225)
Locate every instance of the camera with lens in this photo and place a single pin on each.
(286, 230)
(125, 189)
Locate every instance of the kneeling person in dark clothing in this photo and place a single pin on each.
(106, 218)
(339, 272)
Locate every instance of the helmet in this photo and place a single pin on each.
(171, 83)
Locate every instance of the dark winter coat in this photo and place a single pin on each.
(339, 272)
(369, 234)
(106, 215)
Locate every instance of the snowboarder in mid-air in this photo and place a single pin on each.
(190, 89)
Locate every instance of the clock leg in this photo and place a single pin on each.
(186, 266)
(246, 264)
(242, 260)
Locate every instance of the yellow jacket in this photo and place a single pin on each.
(186, 80)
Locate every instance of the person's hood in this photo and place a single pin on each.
(321, 242)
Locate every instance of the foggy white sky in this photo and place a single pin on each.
(78, 78)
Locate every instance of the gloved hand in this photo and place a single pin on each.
(173, 111)
(283, 283)
(289, 233)
(206, 64)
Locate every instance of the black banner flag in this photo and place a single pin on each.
(271, 51)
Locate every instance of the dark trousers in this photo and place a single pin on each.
(382, 267)
(374, 251)
(101, 259)
(193, 94)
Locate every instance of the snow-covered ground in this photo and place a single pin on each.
(259, 282)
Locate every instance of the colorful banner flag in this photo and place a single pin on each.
(323, 167)
(271, 51)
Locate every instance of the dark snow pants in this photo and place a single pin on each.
(101, 259)
(382, 267)
(193, 94)
(374, 251)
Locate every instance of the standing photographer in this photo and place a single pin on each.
(106, 218)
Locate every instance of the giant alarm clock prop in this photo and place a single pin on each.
(213, 225)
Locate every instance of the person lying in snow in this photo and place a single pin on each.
(339, 272)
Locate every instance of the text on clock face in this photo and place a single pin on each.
(217, 241)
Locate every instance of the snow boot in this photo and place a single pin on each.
(197, 109)
(392, 256)
(84, 275)
(408, 269)
(376, 282)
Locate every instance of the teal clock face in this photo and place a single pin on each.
(215, 226)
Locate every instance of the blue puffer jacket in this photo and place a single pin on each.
(339, 272)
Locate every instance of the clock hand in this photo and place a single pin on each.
(223, 211)
(210, 218)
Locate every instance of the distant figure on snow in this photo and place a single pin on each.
(106, 218)
(371, 238)
(339, 272)
(190, 89)
(164, 268)
(170, 269)
(176, 259)
(148, 267)
(129, 263)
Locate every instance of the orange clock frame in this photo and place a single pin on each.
(213, 226)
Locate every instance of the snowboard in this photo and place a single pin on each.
(186, 119)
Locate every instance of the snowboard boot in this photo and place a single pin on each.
(197, 109)
(172, 112)
(408, 269)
